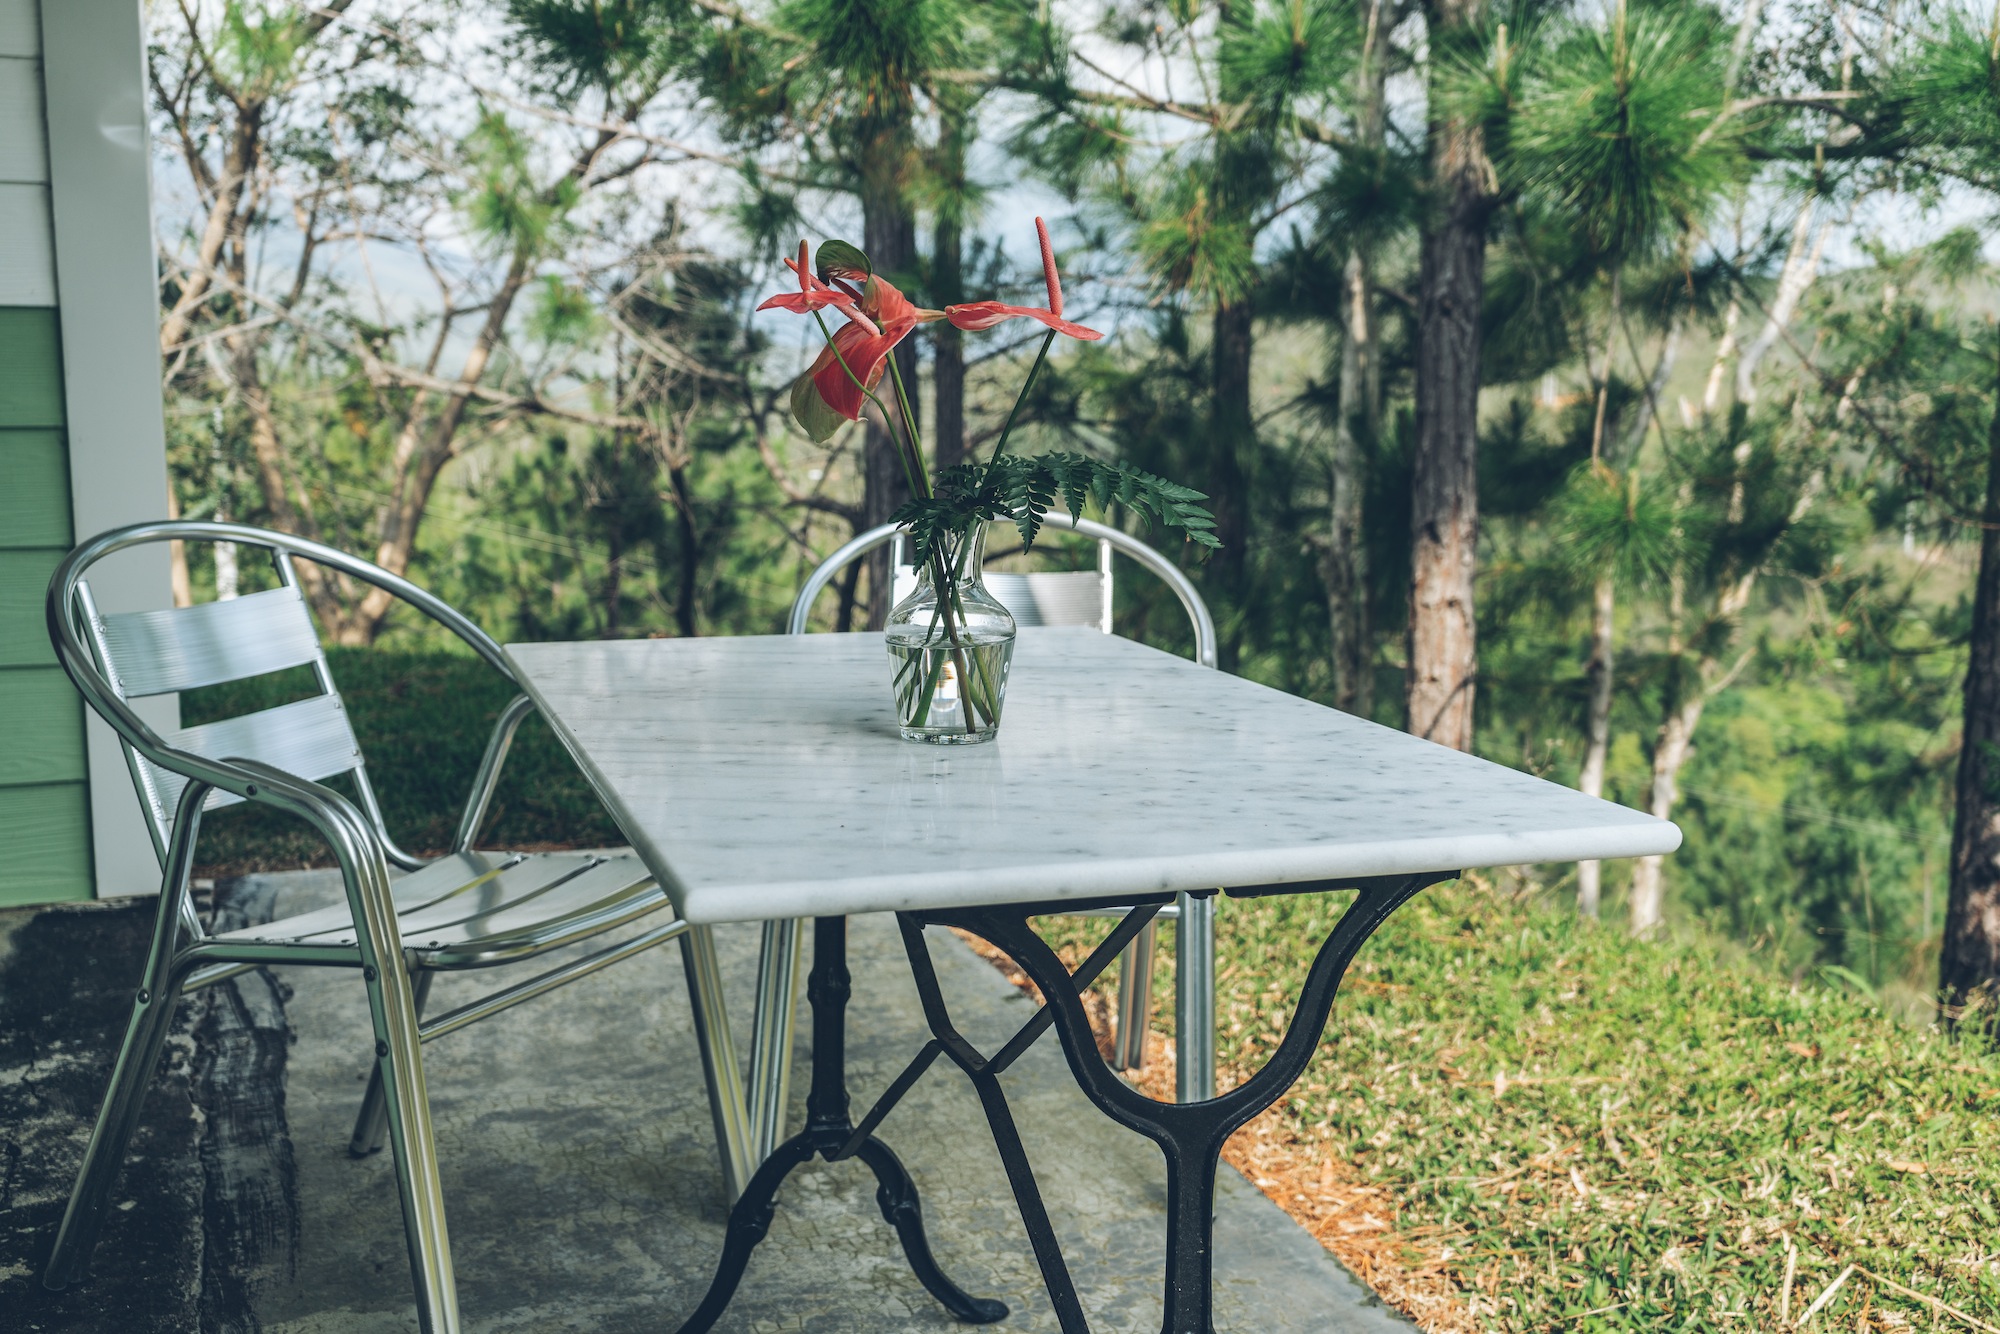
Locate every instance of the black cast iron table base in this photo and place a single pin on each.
(1190, 1135)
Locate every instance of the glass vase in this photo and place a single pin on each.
(949, 654)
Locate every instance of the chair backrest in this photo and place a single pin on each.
(132, 655)
(1078, 597)
(1037, 597)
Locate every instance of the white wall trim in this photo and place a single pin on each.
(107, 286)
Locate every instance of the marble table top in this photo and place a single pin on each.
(762, 777)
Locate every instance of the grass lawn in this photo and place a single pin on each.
(1522, 1121)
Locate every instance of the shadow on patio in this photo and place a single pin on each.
(578, 1159)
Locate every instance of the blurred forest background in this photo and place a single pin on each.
(1701, 299)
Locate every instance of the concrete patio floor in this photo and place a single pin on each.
(578, 1160)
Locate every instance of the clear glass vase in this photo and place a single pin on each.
(950, 654)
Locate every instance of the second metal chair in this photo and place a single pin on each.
(1041, 597)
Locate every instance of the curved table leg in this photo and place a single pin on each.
(897, 1196)
(1190, 1135)
(829, 1133)
(749, 1220)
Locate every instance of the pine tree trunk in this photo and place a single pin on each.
(1233, 434)
(948, 288)
(949, 355)
(1597, 748)
(1346, 566)
(1604, 369)
(1670, 752)
(1663, 369)
(1357, 430)
(690, 553)
(889, 235)
(1969, 963)
(1718, 370)
(1444, 489)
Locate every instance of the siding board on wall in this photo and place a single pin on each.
(31, 385)
(44, 728)
(34, 502)
(24, 582)
(46, 831)
(27, 247)
(24, 149)
(20, 28)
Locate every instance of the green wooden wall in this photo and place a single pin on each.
(44, 807)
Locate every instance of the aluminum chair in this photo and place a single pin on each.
(1042, 597)
(466, 909)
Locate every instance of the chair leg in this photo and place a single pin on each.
(1135, 1001)
(718, 1059)
(400, 1067)
(1194, 1000)
(138, 1058)
(153, 1005)
(373, 1121)
(771, 1043)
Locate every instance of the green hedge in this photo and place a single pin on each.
(423, 720)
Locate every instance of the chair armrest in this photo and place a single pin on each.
(364, 865)
(488, 777)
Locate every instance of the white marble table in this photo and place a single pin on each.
(763, 778)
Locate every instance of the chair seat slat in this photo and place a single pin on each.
(619, 892)
(185, 648)
(538, 903)
(432, 883)
(488, 894)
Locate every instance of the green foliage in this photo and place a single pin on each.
(504, 201)
(422, 719)
(1941, 104)
(1277, 56)
(1619, 124)
(879, 52)
(1621, 526)
(1021, 489)
(617, 46)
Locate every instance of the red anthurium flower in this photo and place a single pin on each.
(815, 295)
(978, 315)
(879, 317)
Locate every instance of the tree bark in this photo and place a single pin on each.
(1357, 430)
(948, 289)
(1444, 491)
(1675, 743)
(889, 235)
(1597, 746)
(1233, 433)
(1969, 962)
(1711, 394)
(1346, 565)
(1688, 692)
(690, 552)
(1604, 370)
(1801, 267)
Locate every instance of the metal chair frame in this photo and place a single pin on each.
(117, 657)
(1193, 916)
